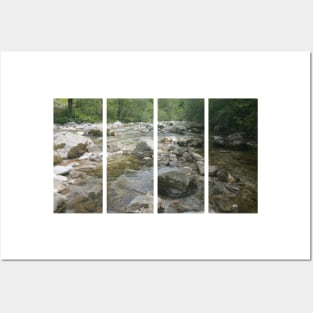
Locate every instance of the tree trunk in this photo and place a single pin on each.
(70, 108)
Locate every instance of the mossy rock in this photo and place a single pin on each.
(77, 151)
(95, 132)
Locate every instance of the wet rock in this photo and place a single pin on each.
(227, 177)
(200, 165)
(218, 141)
(143, 150)
(176, 183)
(70, 145)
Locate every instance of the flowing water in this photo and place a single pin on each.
(241, 195)
(129, 178)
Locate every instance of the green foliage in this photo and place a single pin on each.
(130, 110)
(181, 109)
(232, 115)
(81, 110)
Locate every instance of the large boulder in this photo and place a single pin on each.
(70, 146)
(177, 183)
(143, 150)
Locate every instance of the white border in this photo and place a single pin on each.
(30, 81)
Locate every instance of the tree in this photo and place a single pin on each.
(70, 108)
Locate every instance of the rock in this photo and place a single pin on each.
(170, 139)
(196, 130)
(59, 186)
(85, 156)
(70, 145)
(213, 171)
(111, 132)
(179, 151)
(218, 141)
(141, 204)
(117, 124)
(251, 144)
(56, 158)
(187, 156)
(235, 141)
(176, 183)
(227, 177)
(71, 124)
(143, 150)
(196, 142)
(59, 203)
(114, 147)
(200, 165)
(60, 178)
(62, 170)
(163, 159)
(93, 130)
(160, 126)
(196, 156)
(85, 197)
(183, 142)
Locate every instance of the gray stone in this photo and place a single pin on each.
(213, 171)
(141, 204)
(176, 183)
(117, 124)
(62, 170)
(93, 130)
(200, 165)
(143, 149)
(235, 141)
(218, 141)
(196, 156)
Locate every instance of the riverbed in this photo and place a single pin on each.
(237, 193)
